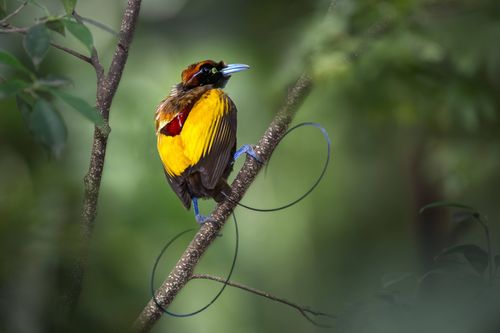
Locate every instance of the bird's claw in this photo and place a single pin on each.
(247, 149)
(201, 219)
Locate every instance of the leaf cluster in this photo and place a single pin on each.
(421, 63)
(35, 94)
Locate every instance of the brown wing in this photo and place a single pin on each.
(179, 186)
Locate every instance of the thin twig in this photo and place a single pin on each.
(14, 13)
(99, 25)
(99, 69)
(94, 58)
(304, 311)
(71, 52)
(8, 28)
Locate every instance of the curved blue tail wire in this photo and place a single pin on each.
(233, 264)
(219, 293)
(316, 183)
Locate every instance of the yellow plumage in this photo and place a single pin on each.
(196, 139)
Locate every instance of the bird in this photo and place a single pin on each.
(196, 133)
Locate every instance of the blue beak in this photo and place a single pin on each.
(234, 68)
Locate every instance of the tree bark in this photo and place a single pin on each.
(107, 84)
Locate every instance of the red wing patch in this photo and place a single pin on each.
(174, 126)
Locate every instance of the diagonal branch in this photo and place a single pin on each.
(99, 25)
(14, 13)
(304, 311)
(184, 268)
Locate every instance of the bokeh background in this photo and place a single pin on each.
(409, 92)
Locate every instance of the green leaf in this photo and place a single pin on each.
(12, 87)
(475, 255)
(81, 106)
(11, 61)
(37, 42)
(54, 81)
(48, 127)
(81, 32)
(69, 6)
(25, 108)
(445, 204)
(57, 26)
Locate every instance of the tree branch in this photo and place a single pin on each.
(14, 13)
(304, 311)
(106, 89)
(72, 52)
(94, 58)
(184, 268)
(99, 25)
(9, 29)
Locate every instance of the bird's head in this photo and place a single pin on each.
(209, 72)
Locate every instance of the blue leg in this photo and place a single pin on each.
(200, 219)
(247, 149)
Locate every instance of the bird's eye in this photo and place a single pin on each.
(214, 70)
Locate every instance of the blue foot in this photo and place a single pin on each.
(200, 219)
(247, 149)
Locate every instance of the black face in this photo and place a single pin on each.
(210, 74)
(204, 73)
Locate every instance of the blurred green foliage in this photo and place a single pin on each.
(409, 91)
(458, 294)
